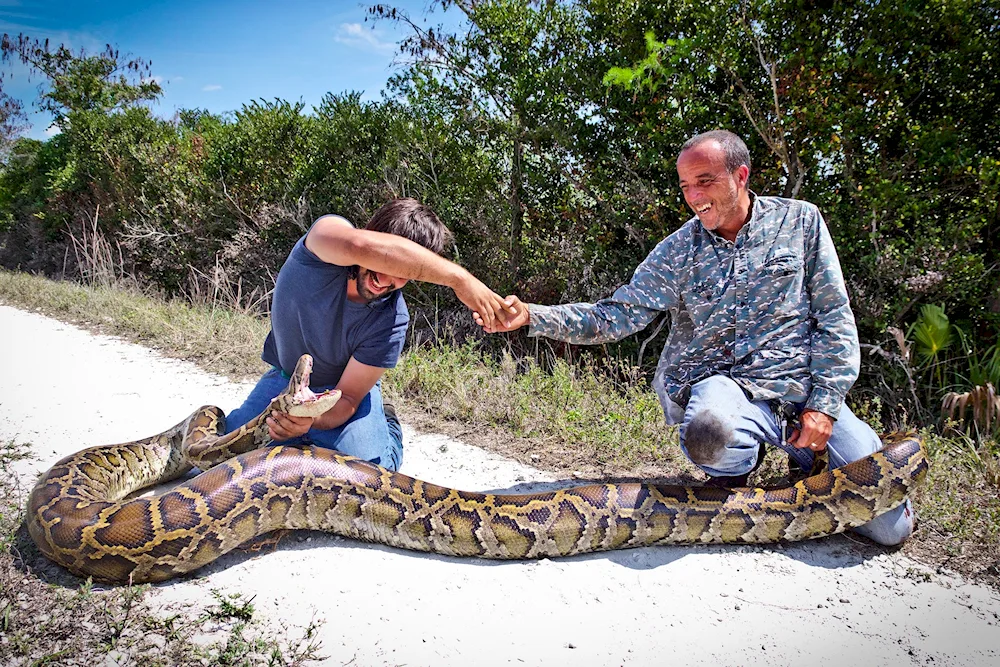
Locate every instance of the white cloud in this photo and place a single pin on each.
(52, 130)
(211, 88)
(355, 35)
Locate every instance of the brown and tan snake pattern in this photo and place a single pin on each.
(80, 517)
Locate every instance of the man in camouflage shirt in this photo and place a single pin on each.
(761, 327)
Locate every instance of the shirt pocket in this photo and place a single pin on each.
(779, 287)
(700, 301)
(788, 362)
(782, 265)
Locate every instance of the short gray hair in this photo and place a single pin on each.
(736, 152)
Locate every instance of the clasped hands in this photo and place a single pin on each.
(514, 316)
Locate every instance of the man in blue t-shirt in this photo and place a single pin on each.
(337, 298)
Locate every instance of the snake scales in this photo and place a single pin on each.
(80, 517)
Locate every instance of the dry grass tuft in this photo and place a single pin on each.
(982, 401)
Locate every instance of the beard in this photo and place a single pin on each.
(723, 210)
(367, 285)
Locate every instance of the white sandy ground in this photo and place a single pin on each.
(829, 601)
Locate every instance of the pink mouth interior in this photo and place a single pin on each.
(307, 395)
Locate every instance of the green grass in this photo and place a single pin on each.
(960, 502)
(578, 415)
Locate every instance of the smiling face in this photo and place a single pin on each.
(372, 285)
(718, 197)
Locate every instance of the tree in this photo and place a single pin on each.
(881, 113)
(95, 100)
(102, 83)
(13, 120)
(508, 78)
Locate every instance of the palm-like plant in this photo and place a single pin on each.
(933, 334)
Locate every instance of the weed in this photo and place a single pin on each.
(869, 410)
(231, 606)
(118, 612)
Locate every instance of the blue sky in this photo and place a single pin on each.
(221, 54)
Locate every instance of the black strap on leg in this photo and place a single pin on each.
(787, 415)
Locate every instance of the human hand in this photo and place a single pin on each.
(520, 317)
(282, 426)
(486, 305)
(815, 432)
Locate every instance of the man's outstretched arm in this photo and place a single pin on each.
(631, 308)
(334, 240)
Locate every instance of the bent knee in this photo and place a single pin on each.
(706, 437)
(892, 528)
(889, 539)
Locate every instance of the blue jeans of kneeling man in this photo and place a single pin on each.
(721, 401)
(366, 435)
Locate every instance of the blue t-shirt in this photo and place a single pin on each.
(310, 313)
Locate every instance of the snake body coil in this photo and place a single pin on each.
(79, 517)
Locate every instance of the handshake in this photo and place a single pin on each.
(512, 316)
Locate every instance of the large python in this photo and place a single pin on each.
(80, 517)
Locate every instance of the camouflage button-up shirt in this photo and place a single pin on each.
(770, 310)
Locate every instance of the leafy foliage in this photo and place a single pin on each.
(544, 133)
(932, 332)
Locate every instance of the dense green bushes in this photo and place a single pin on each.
(544, 134)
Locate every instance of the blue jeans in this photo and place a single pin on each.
(718, 405)
(366, 435)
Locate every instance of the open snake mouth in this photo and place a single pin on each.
(306, 395)
(306, 402)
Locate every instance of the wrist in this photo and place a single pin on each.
(343, 410)
(459, 278)
(819, 414)
(327, 420)
(826, 401)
